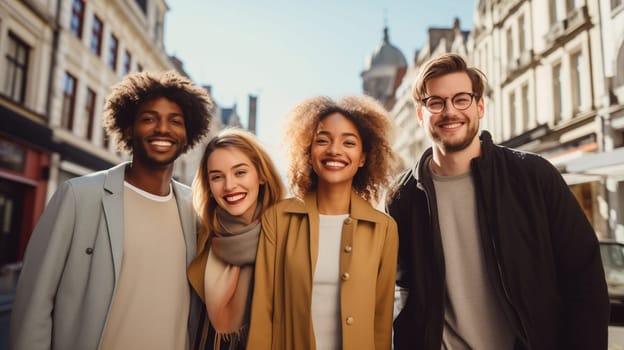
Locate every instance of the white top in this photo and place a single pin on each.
(326, 284)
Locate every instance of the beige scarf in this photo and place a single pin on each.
(228, 276)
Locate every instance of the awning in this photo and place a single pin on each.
(609, 163)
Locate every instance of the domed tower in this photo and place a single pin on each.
(384, 70)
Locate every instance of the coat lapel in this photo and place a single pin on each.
(313, 219)
(114, 213)
(183, 199)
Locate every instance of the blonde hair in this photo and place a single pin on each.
(373, 124)
(246, 142)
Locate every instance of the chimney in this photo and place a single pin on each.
(253, 110)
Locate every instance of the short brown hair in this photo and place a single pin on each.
(136, 88)
(373, 124)
(446, 64)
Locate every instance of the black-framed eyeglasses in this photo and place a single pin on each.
(436, 104)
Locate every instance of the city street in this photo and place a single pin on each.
(553, 87)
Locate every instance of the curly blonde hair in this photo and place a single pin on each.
(373, 124)
(246, 142)
(136, 88)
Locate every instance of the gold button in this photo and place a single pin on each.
(345, 276)
(348, 248)
(348, 221)
(349, 320)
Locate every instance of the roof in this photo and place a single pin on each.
(386, 55)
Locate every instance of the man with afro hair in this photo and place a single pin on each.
(106, 264)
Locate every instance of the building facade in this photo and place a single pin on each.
(551, 77)
(384, 71)
(58, 61)
(555, 72)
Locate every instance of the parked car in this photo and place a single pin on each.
(612, 253)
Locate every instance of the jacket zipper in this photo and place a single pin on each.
(524, 335)
(523, 338)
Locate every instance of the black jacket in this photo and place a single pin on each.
(540, 251)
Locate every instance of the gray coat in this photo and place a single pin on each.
(73, 260)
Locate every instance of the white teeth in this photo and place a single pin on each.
(335, 164)
(451, 126)
(235, 198)
(161, 143)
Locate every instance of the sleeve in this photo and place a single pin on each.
(581, 279)
(393, 208)
(31, 318)
(261, 324)
(384, 303)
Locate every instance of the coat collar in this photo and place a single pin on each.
(115, 178)
(360, 209)
(421, 172)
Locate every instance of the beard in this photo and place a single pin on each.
(456, 145)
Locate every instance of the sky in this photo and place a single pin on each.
(287, 51)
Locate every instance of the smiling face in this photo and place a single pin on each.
(336, 151)
(234, 182)
(158, 133)
(452, 130)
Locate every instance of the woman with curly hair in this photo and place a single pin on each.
(326, 260)
(235, 182)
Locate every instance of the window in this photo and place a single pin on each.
(578, 88)
(69, 99)
(570, 6)
(557, 92)
(16, 69)
(525, 107)
(96, 35)
(513, 120)
(521, 37)
(509, 44)
(619, 74)
(112, 52)
(552, 11)
(485, 59)
(142, 5)
(90, 112)
(127, 61)
(77, 16)
(105, 139)
(158, 27)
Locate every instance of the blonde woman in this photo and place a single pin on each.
(235, 183)
(326, 260)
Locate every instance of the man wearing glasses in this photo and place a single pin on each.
(495, 252)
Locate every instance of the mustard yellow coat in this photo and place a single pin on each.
(281, 318)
